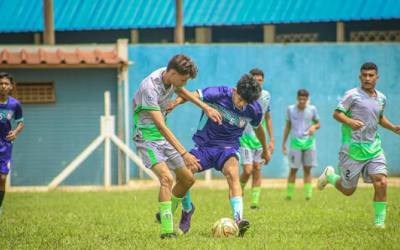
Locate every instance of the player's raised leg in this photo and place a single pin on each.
(185, 181)
(231, 171)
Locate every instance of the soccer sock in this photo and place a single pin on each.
(289, 189)
(186, 202)
(380, 212)
(255, 195)
(308, 189)
(237, 207)
(332, 178)
(243, 185)
(175, 203)
(167, 222)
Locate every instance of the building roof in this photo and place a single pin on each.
(27, 15)
(57, 57)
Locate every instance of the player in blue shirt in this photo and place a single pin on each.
(217, 146)
(10, 108)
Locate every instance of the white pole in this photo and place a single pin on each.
(107, 144)
(76, 162)
(208, 177)
(133, 156)
(127, 120)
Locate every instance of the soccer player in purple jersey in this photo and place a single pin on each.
(217, 146)
(10, 108)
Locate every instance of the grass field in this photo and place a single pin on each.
(125, 220)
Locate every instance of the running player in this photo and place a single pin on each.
(160, 150)
(360, 111)
(10, 108)
(250, 147)
(301, 120)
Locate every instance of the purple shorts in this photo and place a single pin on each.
(214, 157)
(5, 159)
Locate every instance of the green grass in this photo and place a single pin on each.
(125, 220)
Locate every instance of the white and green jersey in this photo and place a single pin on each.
(300, 123)
(249, 139)
(364, 143)
(151, 95)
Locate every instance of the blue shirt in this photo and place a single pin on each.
(234, 120)
(10, 110)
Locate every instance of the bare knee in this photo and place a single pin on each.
(188, 182)
(3, 178)
(166, 180)
(348, 192)
(293, 171)
(247, 170)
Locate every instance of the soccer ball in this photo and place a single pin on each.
(225, 227)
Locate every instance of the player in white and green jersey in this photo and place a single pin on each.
(160, 150)
(250, 146)
(301, 121)
(360, 111)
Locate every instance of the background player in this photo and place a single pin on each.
(250, 147)
(301, 121)
(10, 108)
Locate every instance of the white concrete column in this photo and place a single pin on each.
(134, 36)
(203, 34)
(340, 32)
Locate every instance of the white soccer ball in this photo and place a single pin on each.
(225, 227)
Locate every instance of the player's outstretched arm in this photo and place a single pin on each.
(194, 97)
(191, 162)
(12, 135)
(342, 118)
(260, 133)
(285, 136)
(384, 122)
(268, 121)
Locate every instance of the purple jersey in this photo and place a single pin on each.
(10, 110)
(234, 120)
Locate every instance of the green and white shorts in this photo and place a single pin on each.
(302, 157)
(154, 152)
(351, 169)
(250, 155)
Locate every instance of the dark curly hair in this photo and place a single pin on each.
(183, 65)
(369, 66)
(302, 92)
(257, 72)
(7, 76)
(248, 88)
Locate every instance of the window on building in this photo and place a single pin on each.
(34, 91)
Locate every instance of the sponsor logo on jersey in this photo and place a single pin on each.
(9, 115)
(151, 99)
(242, 123)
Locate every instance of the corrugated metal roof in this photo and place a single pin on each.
(43, 57)
(27, 15)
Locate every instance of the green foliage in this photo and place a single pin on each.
(125, 220)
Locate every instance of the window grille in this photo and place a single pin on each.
(297, 38)
(375, 36)
(34, 92)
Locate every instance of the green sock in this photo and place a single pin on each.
(167, 222)
(380, 212)
(243, 185)
(308, 189)
(175, 203)
(332, 178)
(289, 190)
(255, 195)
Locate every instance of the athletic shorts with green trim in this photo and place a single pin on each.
(302, 157)
(154, 152)
(351, 169)
(250, 155)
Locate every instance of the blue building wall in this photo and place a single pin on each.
(55, 134)
(326, 70)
